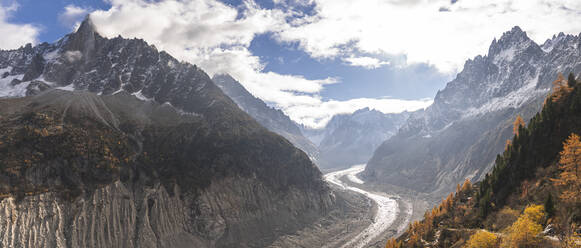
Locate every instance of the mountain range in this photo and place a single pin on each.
(459, 135)
(349, 139)
(112, 143)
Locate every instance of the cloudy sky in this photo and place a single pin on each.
(310, 58)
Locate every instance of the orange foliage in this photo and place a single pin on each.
(414, 239)
(392, 243)
(467, 185)
(517, 123)
(448, 202)
(570, 161)
(560, 88)
(419, 231)
(507, 145)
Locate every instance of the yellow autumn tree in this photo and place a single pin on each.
(569, 163)
(483, 239)
(535, 212)
(516, 124)
(524, 232)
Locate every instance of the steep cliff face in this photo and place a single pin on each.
(118, 145)
(271, 118)
(470, 120)
(112, 216)
(118, 216)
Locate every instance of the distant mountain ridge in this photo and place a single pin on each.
(470, 120)
(347, 139)
(350, 139)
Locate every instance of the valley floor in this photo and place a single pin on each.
(364, 217)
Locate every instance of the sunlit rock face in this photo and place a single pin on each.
(470, 120)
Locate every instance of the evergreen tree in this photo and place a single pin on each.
(571, 80)
(550, 206)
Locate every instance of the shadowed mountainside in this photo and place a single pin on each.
(137, 149)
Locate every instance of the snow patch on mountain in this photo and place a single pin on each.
(69, 87)
(513, 78)
(5, 70)
(550, 43)
(9, 90)
(140, 96)
(52, 56)
(42, 79)
(506, 55)
(514, 99)
(6, 87)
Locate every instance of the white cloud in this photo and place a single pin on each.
(73, 56)
(15, 35)
(319, 113)
(366, 62)
(72, 15)
(217, 36)
(214, 36)
(179, 25)
(424, 34)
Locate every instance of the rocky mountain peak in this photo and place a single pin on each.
(515, 35)
(223, 76)
(87, 26)
(561, 42)
(83, 39)
(515, 38)
(488, 77)
(229, 85)
(363, 110)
